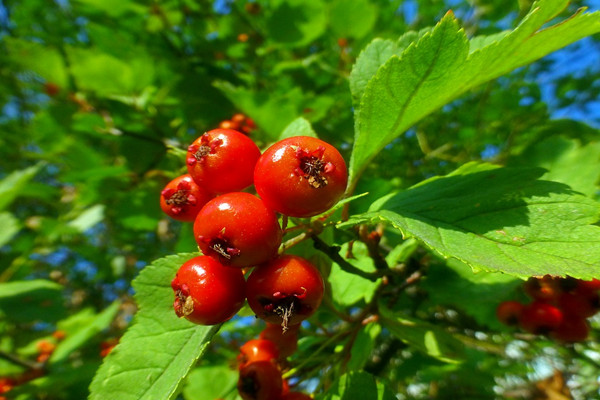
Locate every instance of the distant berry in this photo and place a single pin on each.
(509, 312)
(286, 340)
(540, 318)
(257, 350)
(301, 176)
(572, 329)
(260, 380)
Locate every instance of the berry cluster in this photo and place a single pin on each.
(560, 308)
(235, 230)
(239, 122)
(260, 363)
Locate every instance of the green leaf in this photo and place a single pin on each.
(296, 22)
(499, 219)
(27, 301)
(567, 161)
(88, 218)
(358, 386)
(427, 338)
(348, 288)
(362, 13)
(210, 382)
(39, 58)
(298, 127)
(363, 345)
(13, 184)
(159, 349)
(441, 66)
(77, 338)
(456, 285)
(10, 226)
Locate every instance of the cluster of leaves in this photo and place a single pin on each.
(100, 98)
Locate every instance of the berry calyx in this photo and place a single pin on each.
(260, 380)
(207, 292)
(238, 229)
(285, 291)
(182, 198)
(301, 176)
(222, 160)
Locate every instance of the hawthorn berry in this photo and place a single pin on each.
(238, 229)
(207, 292)
(546, 288)
(286, 341)
(222, 160)
(301, 176)
(508, 312)
(257, 350)
(295, 396)
(182, 198)
(285, 291)
(260, 380)
(572, 329)
(540, 318)
(579, 304)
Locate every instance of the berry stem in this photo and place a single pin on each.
(333, 253)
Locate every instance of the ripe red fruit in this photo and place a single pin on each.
(286, 341)
(285, 291)
(238, 229)
(260, 380)
(257, 350)
(182, 198)
(540, 318)
(296, 396)
(222, 160)
(508, 312)
(301, 176)
(572, 329)
(578, 304)
(593, 285)
(207, 292)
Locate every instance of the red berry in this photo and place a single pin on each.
(286, 341)
(593, 285)
(579, 305)
(227, 124)
(296, 396)
(207, 292)
(546, 288)
(182, 198)
(508, 312)
(222, 160)
(238, 229)
(285, 291)
(257, 350)
(301, 176)
(260, 380)
(540, 318)
(572, 329)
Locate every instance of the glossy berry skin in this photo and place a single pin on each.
(257, 350)
(238, 230)
(285, 291)
(207, 292)
(182, 198)
(260, 380)
(508, 312)
(286, 341)
(222, 160)
(540, 318)
(572, 329)
(301, 176)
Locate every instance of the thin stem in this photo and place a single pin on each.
(20, 361)
(333, 253)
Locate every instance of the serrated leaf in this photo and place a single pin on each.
(442, 65)
(499, 219)
(358, 386)
(428, 338)
(298, 127)
(159, 349)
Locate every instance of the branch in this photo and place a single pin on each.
(21, 361)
